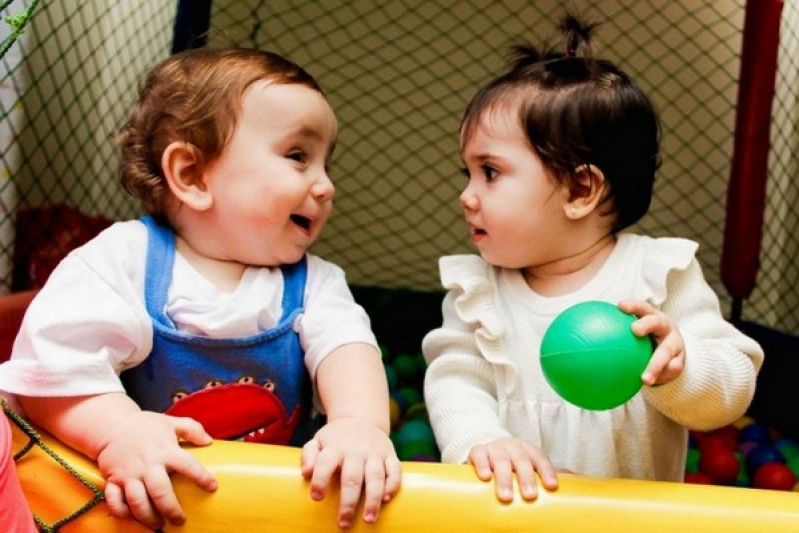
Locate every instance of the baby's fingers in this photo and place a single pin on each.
(308, 457)
(187, 465)
(374, 488)
(352, 481)
(667, 363)
(393, 478)
(481, 462)
(191, 431)
(141, 507)
(164, 500)
(115, 500)
(325, 466)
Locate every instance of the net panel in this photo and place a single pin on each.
(399, 74)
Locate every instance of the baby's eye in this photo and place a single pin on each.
(299, 156)
(489, 172)
(465, 172)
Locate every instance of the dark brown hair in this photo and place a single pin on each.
(576, 110)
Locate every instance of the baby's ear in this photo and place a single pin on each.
(183, 172)
(585, 192)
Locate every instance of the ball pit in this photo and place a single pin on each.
(743, 454)
(410, 426)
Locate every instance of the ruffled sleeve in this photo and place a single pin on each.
(460, 383)
(660, 258)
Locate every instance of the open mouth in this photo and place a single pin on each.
(301, 221)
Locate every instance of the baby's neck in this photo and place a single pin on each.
(572, 272)
(225, 275)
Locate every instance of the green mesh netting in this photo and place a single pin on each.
(399, 74)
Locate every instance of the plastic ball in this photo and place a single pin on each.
(747, 446)
(417, 411)
(413, 431)
(788, 447)
(591, 358)
(698, 478)
(391, 376)
(760, 456)
(743, 422)
(417, 451)
(406, 366)
(793, 465)
(412, 396)
(394, 413)
(756, 433)
(774, 476)
(742, 479)
(692, 461)
(719, 439)
(720, 464)
(401, 401)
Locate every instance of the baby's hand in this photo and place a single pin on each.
(668, 360)
(366, 460)
(136, 459)
(502, 457)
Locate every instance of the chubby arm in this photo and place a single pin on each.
(135, 450)
(352, 387)
(719, 363)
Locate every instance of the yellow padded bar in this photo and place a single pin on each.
(260, 489)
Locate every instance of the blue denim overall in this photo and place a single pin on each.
(254, 388)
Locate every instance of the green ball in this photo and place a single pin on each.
(406, 366)
(591, 357)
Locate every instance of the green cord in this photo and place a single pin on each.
(34, 439)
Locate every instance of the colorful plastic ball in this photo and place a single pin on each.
(591, 358)
(421, 364)
(742, 479)
(789, 448)
(394, 412)
(416, 451)
(793, 465)
(401, 400)
(720, 465)
(719, 439)
(692, 461)
(698, 478)
(406, 366)
(762, 455)
(391, 376)
(417, 411)
(743, 422)
(412, 396)
(426, 458)
(747, 446)
(756, 433)
(774, 476)
(413, 431)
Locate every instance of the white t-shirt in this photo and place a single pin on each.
(89, 321)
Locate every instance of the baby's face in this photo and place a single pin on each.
(271, 192)
(512, 206)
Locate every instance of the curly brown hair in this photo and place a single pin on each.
(193, 97)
